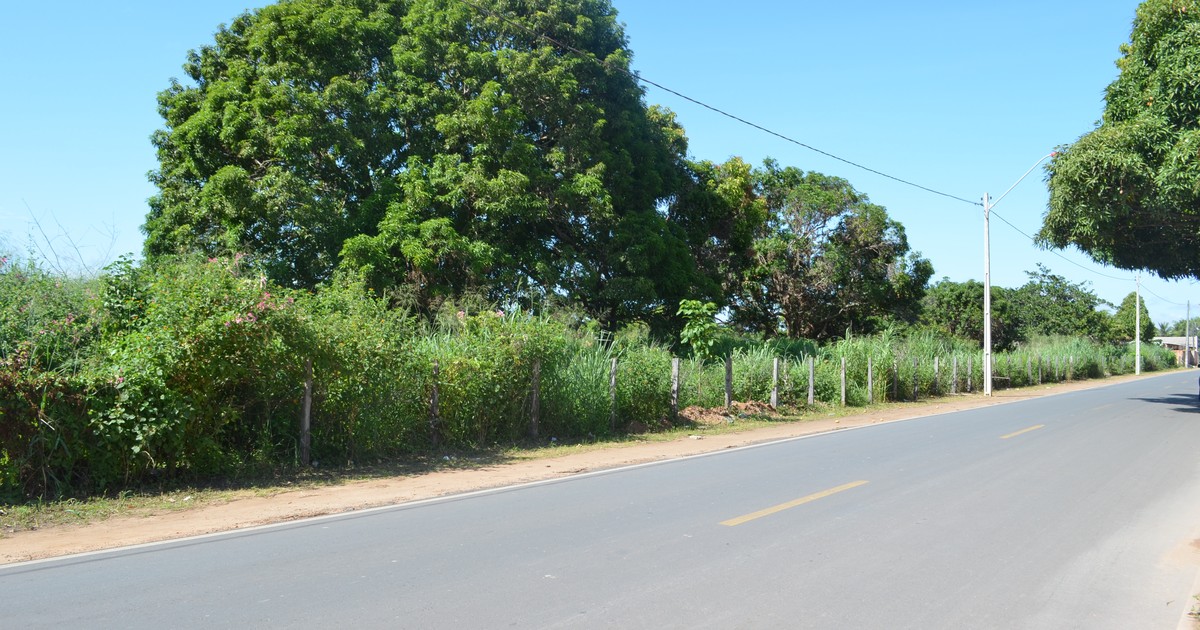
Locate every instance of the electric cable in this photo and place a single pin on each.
(1034, 241)
(637, 76)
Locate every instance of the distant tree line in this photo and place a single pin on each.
(1046, 305)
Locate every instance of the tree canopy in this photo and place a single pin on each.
(1128, 192)
(825, 260)
(426, 143)
(1124, 321)
(956, 309)
(1051, 305)
(504, 149)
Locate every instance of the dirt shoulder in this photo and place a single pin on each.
(251, 508)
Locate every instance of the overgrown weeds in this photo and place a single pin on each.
(196, 368)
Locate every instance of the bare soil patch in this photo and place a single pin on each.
(244, 509)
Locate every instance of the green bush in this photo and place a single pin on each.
(196, 367)
(48, 330)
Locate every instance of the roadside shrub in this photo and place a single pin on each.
(47, 335)
(369, 386)
(486, 364)
(643, 387)
(207, 378)
(196, 367)
(575, 399)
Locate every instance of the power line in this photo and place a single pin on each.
(1147, 290)
(1143, 287)
(637, 76)
(1034, 241)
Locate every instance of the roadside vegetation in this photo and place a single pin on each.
(192, 371)
(441, 224)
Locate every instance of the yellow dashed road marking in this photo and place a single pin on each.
(791, 504)
(1016, 433)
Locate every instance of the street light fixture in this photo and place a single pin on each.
(987, 277)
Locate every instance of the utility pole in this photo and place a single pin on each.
(1187, 336)
(1137, 333)
(988, 204)
(987, 300)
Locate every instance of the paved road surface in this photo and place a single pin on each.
(1072, 511)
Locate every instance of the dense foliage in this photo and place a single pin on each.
(1128, 192)
(194, 368)
(825, 261)
(1046, 306)
(443, 149)
(403, 202)
(430, 146)
(956, 309)
(1050, 305)
(1125, 322)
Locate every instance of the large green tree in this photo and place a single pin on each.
(956, 309)
(1124, 321)
(1128, 192)
(1049, 304)
(427, 144)
(719, 211)
(826, 260)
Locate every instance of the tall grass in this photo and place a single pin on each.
(196, 367)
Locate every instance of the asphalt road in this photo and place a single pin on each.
(1071, 511)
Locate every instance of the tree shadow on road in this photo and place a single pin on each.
(1185, 403)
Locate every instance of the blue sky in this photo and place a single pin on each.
(960, 97)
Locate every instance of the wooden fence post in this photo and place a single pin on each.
(535, 402)
(775, 383)
(870, 381)
(954, 376)
(435, 420)
(1029, 369)
(728, 382)
(1070, 367)
(843, 381)
(674, 390)
(1039, 369)
(612, 397)
(812, 371)
(306, 416)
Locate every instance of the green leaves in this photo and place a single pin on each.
(1123, 325)
(1128, 193)
(956, 309)
(321, 134)
(699, 330)
(824, 259)
(1050, 305)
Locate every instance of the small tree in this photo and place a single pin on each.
(699, 330)
(1123, 322)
